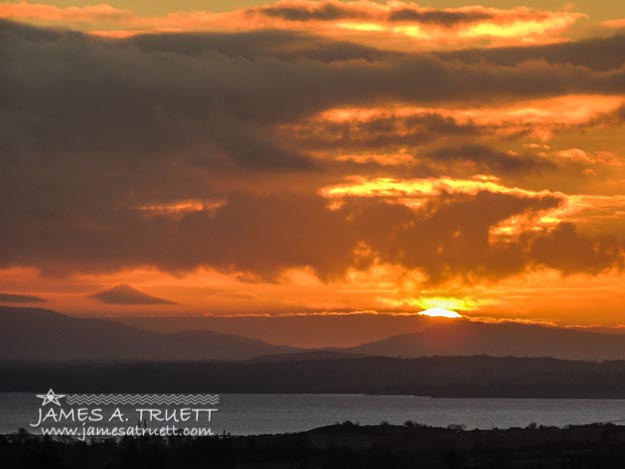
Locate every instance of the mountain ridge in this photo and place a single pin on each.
(42, 334)
(465, 338)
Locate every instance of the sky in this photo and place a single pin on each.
(301, 158)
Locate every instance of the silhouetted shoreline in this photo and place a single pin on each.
(337, 446)
(462, 377)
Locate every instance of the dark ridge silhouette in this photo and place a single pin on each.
(308, 355)
(127, 295)
(38, 334)
(15, 298)
(432, 376)
(308, 331)
(463, 337)
(345, 445)
(41, 334)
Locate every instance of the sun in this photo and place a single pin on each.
(440, 313)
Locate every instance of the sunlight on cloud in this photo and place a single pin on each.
(539, 118)
(441, 303)
(361, 186)
(440, 313)
(182, 207)
(374, 22)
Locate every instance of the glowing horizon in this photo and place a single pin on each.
(440, 313)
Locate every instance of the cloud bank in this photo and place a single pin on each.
(182, 151)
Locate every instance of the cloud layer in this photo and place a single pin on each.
(255, 152)
(390, 24)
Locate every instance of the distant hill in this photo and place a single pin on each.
(41, 334)
(310, 331)
(308, 355)
(463, 337)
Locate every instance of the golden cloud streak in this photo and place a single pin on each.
(605, 158)
(426, 188)
(182, 207)
(539, 118)
(591, 213)
(438, 27)
(442, 302)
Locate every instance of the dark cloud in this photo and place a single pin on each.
(256, 234)
(384, 131)
(600, 54)
(565, 249)
(96, 77)
(491, 159)
(93, 129)
(14, 298)
(265, 235)
(286, 45)
(325, 11)
(127, 295)
(335, 11)
(106, 102)
(440, 17)
(31, 33)
(450, 237)
(606, 119)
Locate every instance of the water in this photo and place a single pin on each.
(244, 414)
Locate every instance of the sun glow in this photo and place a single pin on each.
(440, 313)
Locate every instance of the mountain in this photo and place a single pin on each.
(310, 331)
(41, 334)
(309, 355)
(128, 295)
(463, 337)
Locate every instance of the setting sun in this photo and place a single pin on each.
(362, 210)
(440, 313)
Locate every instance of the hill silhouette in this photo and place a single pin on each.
(41, 334)
(479, 376)
(463, 337)
(127, 295)
(345, 445)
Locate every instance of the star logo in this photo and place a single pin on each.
(50, 398)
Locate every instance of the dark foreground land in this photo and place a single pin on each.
(338, 446)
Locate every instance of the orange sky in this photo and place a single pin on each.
(315, 158)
